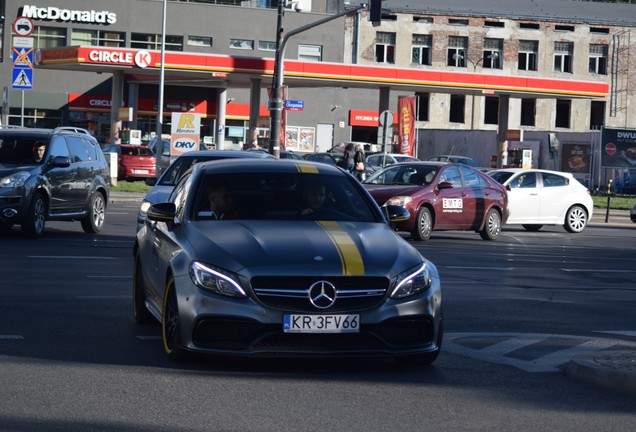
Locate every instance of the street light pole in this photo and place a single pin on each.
(491, 56)
(276, 97)
(159, 142)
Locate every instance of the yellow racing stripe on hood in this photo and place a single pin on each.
(350, 257)
(306, 168)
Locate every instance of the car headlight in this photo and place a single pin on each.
(398, 201)
(15, 180)
(412, 281)
(143, 209)
(215, 280)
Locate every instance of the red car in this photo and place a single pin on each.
(136, 162)
(441, 196)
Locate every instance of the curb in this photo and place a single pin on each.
(612, 369)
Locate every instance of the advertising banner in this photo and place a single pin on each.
(618, 148)
(185, 133)
(406, 124)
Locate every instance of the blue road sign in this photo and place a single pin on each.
(22, 78)
(294, 105)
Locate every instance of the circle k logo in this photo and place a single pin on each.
(143, 59)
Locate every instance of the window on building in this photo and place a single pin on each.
(563, 56)
(97, 38)
(457, 109)
(312, 53)
(529, 26)
(528, 112)
(457, 46)
(598, 59)
(458, 22)
(266, 46)
(49, 37)
(563, 108)
(597, 115)
(153, 42)
(491, 110)
(528, 55)
(199, 41)
(422, 106)
(385, 47)
(493, 53)
(422, 46)
(242, 44)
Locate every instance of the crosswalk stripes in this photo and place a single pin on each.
(531, 352)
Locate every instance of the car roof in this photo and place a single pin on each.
(234, 165)
(228, 154)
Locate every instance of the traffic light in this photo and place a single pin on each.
(375, 11)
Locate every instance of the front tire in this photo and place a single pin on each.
(140, 311)
(33, 224)
(492, 226)
(96, 214)
(423, 225)
(532, 227)
(170, 328)
(575, 219)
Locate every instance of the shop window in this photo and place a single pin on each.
(199, 41)
(312, 53)
(242, 44)
(97, 38)
(457, 47)
(457, 109)
(385, 47)
(528, 55)
(563, 109)
(598, 59)
(563, 56)
(491, 110)
(49, 37)
(597, 115)
(528, 112)
(153, 42)
(422, 45)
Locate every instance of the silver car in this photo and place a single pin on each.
(275, 279)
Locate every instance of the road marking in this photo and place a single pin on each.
(11, 337)
(108, 277)
(149, 337)
(104, 297)
(530, 352)
(620, 332)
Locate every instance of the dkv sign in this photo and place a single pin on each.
(185, 133)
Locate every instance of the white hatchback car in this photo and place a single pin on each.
(541, 197)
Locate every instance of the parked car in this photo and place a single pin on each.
(162, 188)
(68, 180)
(377, 161)
(134, 162)
(441, 196)
(328, 158)
(166, 158)
(458, 159)
(278, 281)
(542, 197)
(282, 154)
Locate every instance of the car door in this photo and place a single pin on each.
(60, 178)
(455, 206)
(554, 190)
(524, 198)
(84, 169)
(476, 196)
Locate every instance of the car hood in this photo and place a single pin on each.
(301, 247)
(8, 169)
(381, 193)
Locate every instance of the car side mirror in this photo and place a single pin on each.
(163, 212)
(508, 188)
(445, 185)
(61, 161)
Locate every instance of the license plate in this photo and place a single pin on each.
(293, 323)
(140, 171)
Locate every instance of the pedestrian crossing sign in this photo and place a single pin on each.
(22, 78)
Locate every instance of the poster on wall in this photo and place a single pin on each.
(575, 158)
(307, 139)
(618, 148)
(291, 138)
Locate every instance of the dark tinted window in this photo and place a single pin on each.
(59, 147)
(78, 148)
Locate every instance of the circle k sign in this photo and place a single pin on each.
(143, 58)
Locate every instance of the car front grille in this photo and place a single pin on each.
(291, 294)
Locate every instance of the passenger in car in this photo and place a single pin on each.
(220, 203)
(313, 198)
(38, 151)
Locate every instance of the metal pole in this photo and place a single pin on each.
(22, 110)
(159, 146)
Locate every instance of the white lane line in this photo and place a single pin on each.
(70, 257)
(11, 337)
(619, 332)
(568, 270)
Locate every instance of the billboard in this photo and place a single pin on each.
(618, 148)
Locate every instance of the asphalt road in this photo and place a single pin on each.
(72, 359)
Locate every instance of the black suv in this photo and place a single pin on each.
(51, 174)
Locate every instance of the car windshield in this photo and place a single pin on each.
(404, 174)
(500, 176)
(285, 196)
(466, 161)
(20, 150)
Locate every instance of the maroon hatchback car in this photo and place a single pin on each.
(136, 162)
(441, 196)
